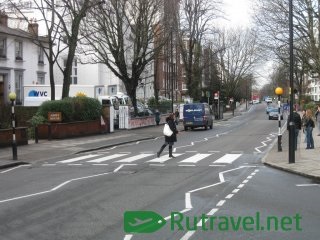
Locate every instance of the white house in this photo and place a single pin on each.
(22, 62)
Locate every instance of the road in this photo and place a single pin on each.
(215, 188)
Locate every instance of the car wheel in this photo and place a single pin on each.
(211, 126)
(206, 127)
(269, 118)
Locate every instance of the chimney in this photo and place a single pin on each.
(3, 19)
(33, 28)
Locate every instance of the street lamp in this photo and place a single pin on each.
(12, 97)
(291, 123)
(279, 92)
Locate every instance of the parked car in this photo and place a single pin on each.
(274, 113)
(268, 100)
(197, 115)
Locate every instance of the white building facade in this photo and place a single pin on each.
(22, 62)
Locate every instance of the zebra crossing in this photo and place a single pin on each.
(107, 158)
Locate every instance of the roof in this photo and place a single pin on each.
(20, 33)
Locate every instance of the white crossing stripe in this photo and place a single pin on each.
(164, 158)
(196, 158)
(78, 158)
(99, 160)
(135, 158)
(228, 158)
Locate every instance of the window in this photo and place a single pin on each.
(3, 48)
(41, 78)
(74, 71)
(18, 85)
(40, 55)
(18, 50)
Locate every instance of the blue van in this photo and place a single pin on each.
(197, 115)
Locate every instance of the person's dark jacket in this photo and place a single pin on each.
(296, 119)
(172, 125)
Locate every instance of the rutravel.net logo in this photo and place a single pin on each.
(149, 222)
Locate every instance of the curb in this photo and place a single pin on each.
(14, 164)
(292, 171)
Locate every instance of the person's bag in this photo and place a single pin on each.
(167, 131)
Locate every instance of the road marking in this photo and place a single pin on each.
(245, 181)
(236, 190)
(157, 165)
(103, 159)
(229, 196)
(228, 158)
(164, 158)
(78, 158)
(186, 165)
(100, 164)
(26, 165)
(213, 165)
(241, 186)
(307, 185)
(220, 203)
(196, 158)
(53, 189)
(122, 165)
(135, 158)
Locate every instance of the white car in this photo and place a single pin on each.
(268, 100)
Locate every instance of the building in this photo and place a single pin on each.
(22, 61)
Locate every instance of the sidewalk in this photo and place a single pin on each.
(307, 161)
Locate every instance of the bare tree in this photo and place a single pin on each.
(196, 17)
(272, 19)
(125, 35)
(238, 59)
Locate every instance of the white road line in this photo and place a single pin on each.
(229, 196)
(196, 158)
(163, 159)
(245, 181)
(100, 164)
(157, 165)
(135, 158)
(241, 186)
(78, 158)
(75, 164)
(220, 203)
(236, 190)
(213, 165)
(106, 158)
(212, 211)
(53, 189)
(26, 165)
(122, 165)
(307, 185)
(186, 165)
(228, 158)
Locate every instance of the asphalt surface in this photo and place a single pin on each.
(307, 162)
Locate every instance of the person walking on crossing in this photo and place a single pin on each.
(169, 140)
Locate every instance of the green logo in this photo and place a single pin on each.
(142, 222)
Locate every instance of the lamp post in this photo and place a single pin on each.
(12, 97)
(291, 123)
(279, 92)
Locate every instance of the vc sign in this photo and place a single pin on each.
(34, 93)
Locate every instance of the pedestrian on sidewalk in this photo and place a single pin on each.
(177, 116)
(172, 139)
(318, 119)
(297, 123)
(309, 128)
(157, 116)
(303, 121)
